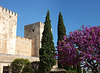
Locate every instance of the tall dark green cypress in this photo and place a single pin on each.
(61, 28)
(47, 51)
(79, 69)
(61, 32)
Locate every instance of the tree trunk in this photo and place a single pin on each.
(21, 69)
(94, 70)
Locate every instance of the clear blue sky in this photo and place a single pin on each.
(75, 13)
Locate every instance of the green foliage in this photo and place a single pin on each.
(61, 32)
(79, 69)
(35, 65)
(18, 65)
(71, 71)
(84, 71)
(24, 66)
(74, 68)
(47, 51)
(28, 69)
(61, 28)
(68, 67)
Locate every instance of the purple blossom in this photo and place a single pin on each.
(80, 46)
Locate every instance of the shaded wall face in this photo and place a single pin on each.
(8, 24)
(23, 46)
(33, 31)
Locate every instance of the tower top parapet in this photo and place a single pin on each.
(29, 25)
(7, 11)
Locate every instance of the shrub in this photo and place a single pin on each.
(18, 65)
(71, 71)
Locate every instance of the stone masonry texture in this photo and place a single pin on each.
(12, 46)
(8, 24)
(34, 32)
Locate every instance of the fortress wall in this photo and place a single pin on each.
(32, 31)
(6, 59)
(41, 31)
(7, 11)
(23, 46)
(8, 25)
(33, 52)
(3, 43)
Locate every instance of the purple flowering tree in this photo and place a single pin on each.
(81, 47)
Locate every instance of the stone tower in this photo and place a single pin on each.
(34, 32)
(8, 25)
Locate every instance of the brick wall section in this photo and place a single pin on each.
(23, 46)
(8, 58)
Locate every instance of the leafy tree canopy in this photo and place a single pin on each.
(19, 64)
(82, 46)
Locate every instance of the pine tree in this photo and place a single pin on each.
(47, 51)
(61, 32)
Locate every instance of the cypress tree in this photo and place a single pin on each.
(79, 69)
(61, 28)
(47, 51)
(61, 32)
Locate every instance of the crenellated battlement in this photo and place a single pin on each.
(8, 11)
(37, 24)
(29, 25)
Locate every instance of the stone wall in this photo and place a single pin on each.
(10, 44)
(2, 66)
(3, 43)
(34, 32)
(23, 46)
(6, 59)
(41, 31)
(8, 24)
